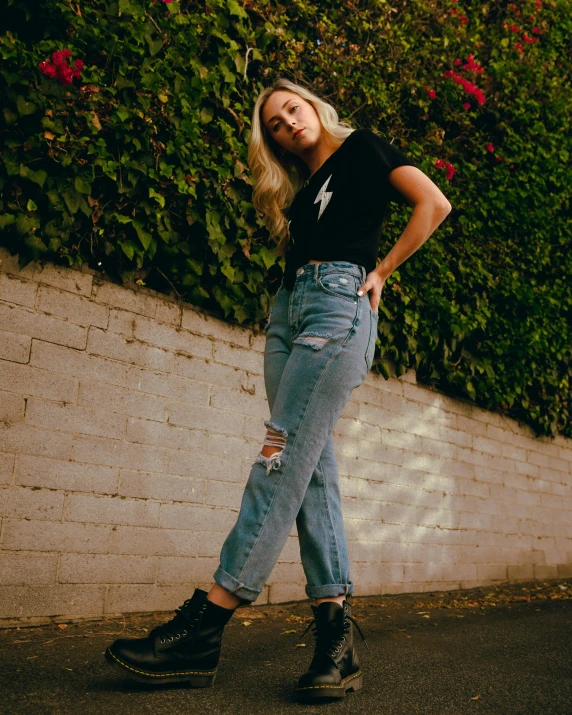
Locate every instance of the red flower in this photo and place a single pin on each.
(60, 68)
(47, 68)
(466, 105)
(519, 46)
(431, 92)
(538, 4)
(490, 147)
(439, 163)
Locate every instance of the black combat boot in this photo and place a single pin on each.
(186, 648)
(335, 667)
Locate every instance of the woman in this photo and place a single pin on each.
(334, 183)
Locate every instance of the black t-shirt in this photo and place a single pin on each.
(338, 214)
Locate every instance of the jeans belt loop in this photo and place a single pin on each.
(316, 267)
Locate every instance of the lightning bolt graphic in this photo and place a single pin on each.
(324, 196)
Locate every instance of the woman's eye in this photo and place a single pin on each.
(296, 106)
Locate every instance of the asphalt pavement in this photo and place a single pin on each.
(495, 650)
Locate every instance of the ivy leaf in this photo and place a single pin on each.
(31, 206)
(206, 115)
(160, 199)
(24, 224)
(127, 248)
(144, 236)
(235, 9)
(35, 244)
(6, 220)
(228, 271)
(72, 199)
(25, 107)
(82, 185)
(154, 45)
(38, 177)
(10, 116)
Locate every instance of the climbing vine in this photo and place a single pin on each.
(123, 140)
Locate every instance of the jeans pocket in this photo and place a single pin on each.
(370, 352)
(342, 285)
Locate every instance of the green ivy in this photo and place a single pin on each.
(139, 167)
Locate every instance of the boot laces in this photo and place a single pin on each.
(331, 641)
(180, 625)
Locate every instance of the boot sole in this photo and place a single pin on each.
(197, 678)
(316, 692)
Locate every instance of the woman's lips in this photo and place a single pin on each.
(297, 134)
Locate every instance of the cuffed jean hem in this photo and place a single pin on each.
(232, 584)
(331, 590)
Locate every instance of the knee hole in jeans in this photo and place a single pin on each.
(273, 447)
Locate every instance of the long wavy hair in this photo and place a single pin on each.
(278, 176)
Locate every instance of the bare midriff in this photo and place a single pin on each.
(313, 261)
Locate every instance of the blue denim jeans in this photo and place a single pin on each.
(320, 344)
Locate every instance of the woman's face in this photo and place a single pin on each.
(284, 115)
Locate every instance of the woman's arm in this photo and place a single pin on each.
(430, 207)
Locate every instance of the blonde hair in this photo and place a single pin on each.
(277, 177)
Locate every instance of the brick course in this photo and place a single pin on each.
(128, 426)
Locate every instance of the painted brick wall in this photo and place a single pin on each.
(128, 427)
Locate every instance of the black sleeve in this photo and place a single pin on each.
(375, 160)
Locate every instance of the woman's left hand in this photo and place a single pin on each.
(374, 282)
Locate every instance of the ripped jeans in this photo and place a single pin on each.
(320, 344)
